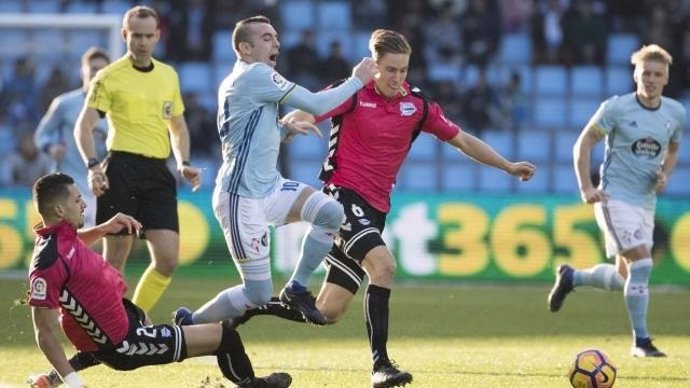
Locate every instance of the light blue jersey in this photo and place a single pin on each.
(248, 100)
(57, 126)
(637, 140)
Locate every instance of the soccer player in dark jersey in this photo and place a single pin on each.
(371, 136)
(71, 282)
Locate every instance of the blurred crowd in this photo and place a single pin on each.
(450, 32)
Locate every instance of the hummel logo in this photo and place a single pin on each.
(367, 104)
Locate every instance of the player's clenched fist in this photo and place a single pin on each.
(365, 70)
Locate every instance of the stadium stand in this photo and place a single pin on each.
(516, 49)
(551, 80)
(496, 181)
(297, 15)
(459, 177)
(534, 145)
(620, 46)
(559, 99)
(195, 77)
(550, 113)
(587, 81)
(419, 177)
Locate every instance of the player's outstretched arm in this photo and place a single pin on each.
(483, 153)
(325, 100)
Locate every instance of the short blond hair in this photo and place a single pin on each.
(652, 52)
(384, 42)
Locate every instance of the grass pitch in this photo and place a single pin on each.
(450, 335)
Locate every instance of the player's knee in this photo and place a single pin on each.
(332, 313)
(332, 317)
(323, 211)
(258, 292)
(166, 267)
(330, 216)
(381, 271)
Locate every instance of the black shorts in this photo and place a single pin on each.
(360, 233)
(144, 345)
(140, 187)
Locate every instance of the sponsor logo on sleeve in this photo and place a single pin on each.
(279, 81)
(167, 110)
(38, 289)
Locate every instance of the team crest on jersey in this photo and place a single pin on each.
(647, 146)
(279, 81)
(167, 110)
(407, 109)
(38, 289)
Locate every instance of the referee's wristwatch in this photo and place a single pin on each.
(93, 162)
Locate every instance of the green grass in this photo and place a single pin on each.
(467, 336)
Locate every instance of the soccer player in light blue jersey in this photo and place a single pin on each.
(643, 131)
(54, 133)
(250, 193)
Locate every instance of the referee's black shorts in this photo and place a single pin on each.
(360, 233)
(141, 187)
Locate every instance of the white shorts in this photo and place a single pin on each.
(245, 223)
(624, 226)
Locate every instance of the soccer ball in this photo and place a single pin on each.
(592, 368)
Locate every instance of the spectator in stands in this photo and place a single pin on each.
(628, 16)
(547, 31)
(512, 104)
(190, 40)
(303, 62)
(477, 103)
(456, 7)
(55, 133)
(481, 31)
(201, 123)
(27, 163)
(584, 35)
(18, 100)
(516, 14)
(335, 67)
(368, 14)
(664, 29)
(443, 36)
(447, 96)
